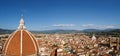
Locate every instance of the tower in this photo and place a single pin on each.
(93, 37)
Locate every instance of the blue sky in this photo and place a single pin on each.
(60, 14)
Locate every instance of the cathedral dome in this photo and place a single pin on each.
(20, 43)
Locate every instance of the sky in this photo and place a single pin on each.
(60, 14)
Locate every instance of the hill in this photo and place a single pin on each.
(5, 31)
(60, 31)
(106, 32)
(112, 32)
(91, 30)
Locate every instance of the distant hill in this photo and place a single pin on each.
(91, 30)
(61, 31)
(5, 31)
(106, 32)
(98, 30)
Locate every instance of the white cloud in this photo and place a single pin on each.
(98, 26)
(79, 27)
(110, 26)
(88, 25)
(63, 25)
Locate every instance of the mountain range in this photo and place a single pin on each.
(4, 31)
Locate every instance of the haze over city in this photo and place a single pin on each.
(60, 14)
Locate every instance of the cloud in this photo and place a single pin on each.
(63, 25)
(110, 26)
(98, 26)
(78, 27)
(88, 25)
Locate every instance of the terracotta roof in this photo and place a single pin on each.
(12, 45)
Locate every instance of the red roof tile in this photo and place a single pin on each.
(13, 44)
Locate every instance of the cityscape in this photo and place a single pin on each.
(60, 28)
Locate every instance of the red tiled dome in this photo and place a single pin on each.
(20, 43)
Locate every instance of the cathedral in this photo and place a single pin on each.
(21, 43)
